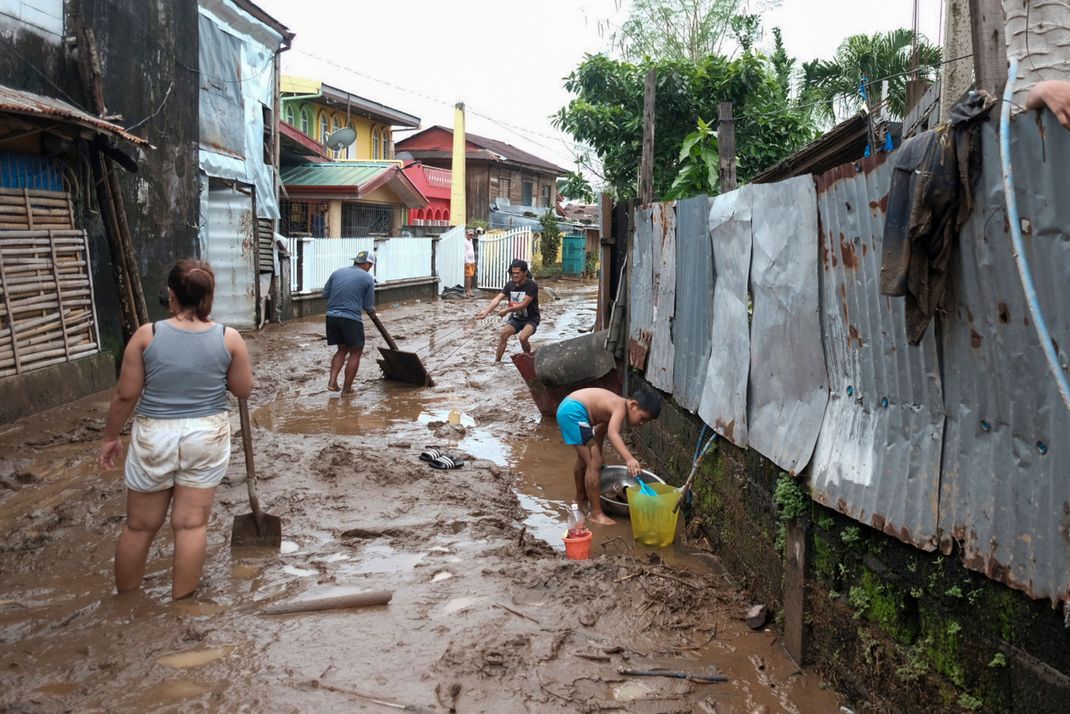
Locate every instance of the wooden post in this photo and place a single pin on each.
(726, 146)
(646, 167)
(795, 591)
(989, 45)
(605, 269)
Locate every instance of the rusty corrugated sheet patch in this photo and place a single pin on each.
(1005, 498)
(788, 381)
(877, 458)
(694, 300)
(641, 289)
(19, 102)
(660, 365)
(724, 395)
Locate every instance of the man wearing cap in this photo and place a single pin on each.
(469, 263)
(348, 292)
(522, 294)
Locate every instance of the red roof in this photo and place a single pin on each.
(440, 139)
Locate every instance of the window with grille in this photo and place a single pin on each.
(503, 187)
(360, 219)
(546, 196)
(303, 218)
(375, 144)
(527, 193)
(306, 122)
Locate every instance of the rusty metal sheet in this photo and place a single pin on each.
(662, 354)
(17, 101)
(724, 395)
(694, 301)
(641, 288)
(1005, 496)
(877, 458)
(788, 381)
(230, 247)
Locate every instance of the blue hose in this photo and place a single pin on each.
(1016, 236)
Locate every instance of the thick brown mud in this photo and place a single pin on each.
(487, 615)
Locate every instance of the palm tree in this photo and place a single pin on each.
(869, 59)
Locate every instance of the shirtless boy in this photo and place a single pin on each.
(586, 417)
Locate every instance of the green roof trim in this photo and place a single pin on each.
(341, 173)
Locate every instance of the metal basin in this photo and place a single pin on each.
(614, 481)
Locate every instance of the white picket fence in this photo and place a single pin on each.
(312, 260)
(449, 255)
(497, 252)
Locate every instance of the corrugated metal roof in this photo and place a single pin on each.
(844, 142)
(724, 396)
(1005, 496)
(17, 101)
(659, 367)
(877, 458)
(788, 382)
(694, 300)
(339, 173)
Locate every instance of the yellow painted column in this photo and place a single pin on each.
(334, 219)
(458, 207)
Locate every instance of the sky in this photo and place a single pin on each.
(506, 60)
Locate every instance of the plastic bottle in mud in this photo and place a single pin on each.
(576, 524)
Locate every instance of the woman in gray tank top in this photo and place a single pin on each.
(180, 370)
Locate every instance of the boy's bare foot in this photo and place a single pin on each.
(348, 391)
(602, 519)
(333, 388)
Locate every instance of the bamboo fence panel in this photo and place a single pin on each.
(47, 316)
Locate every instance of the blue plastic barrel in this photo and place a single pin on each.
(574, 254)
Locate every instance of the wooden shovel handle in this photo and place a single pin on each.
(382, 331)
(250, 469)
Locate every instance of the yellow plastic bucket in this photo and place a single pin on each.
(653, 520)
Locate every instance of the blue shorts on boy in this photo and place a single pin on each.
(574, 422)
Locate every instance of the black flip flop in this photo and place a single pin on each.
(446, 462)
(430, 455)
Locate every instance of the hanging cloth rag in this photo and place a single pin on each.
(930, 197)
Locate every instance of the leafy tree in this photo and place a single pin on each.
(575, 187)
(550, 239)
(835, 84)
(699, 164)
(685, 30)
(606, 113)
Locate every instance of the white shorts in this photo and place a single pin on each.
(190, 452)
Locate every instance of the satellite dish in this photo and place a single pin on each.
(340, 139)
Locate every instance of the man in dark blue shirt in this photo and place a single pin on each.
(348, 292)
(522, 294)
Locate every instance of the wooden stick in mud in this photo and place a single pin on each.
(338, 602)
(690, 676)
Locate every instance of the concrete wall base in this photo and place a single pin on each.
(49, 387)
(892, 627)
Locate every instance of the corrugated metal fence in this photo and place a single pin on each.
(966, 445)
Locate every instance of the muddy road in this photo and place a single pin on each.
(487, 615)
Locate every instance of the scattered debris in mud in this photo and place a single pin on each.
(485, 614)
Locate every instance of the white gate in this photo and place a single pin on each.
(496, 252)
(228, 232)
(449, 258)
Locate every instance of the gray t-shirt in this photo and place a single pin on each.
(348, 292)
(185, 373)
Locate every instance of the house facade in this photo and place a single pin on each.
(349, 189)
(495, 172)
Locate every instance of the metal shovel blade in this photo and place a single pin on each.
(246, 533)
(404, 367)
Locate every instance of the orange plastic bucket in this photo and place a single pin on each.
(578, 548)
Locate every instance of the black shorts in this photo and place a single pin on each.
(517, 324)
(344, 331)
